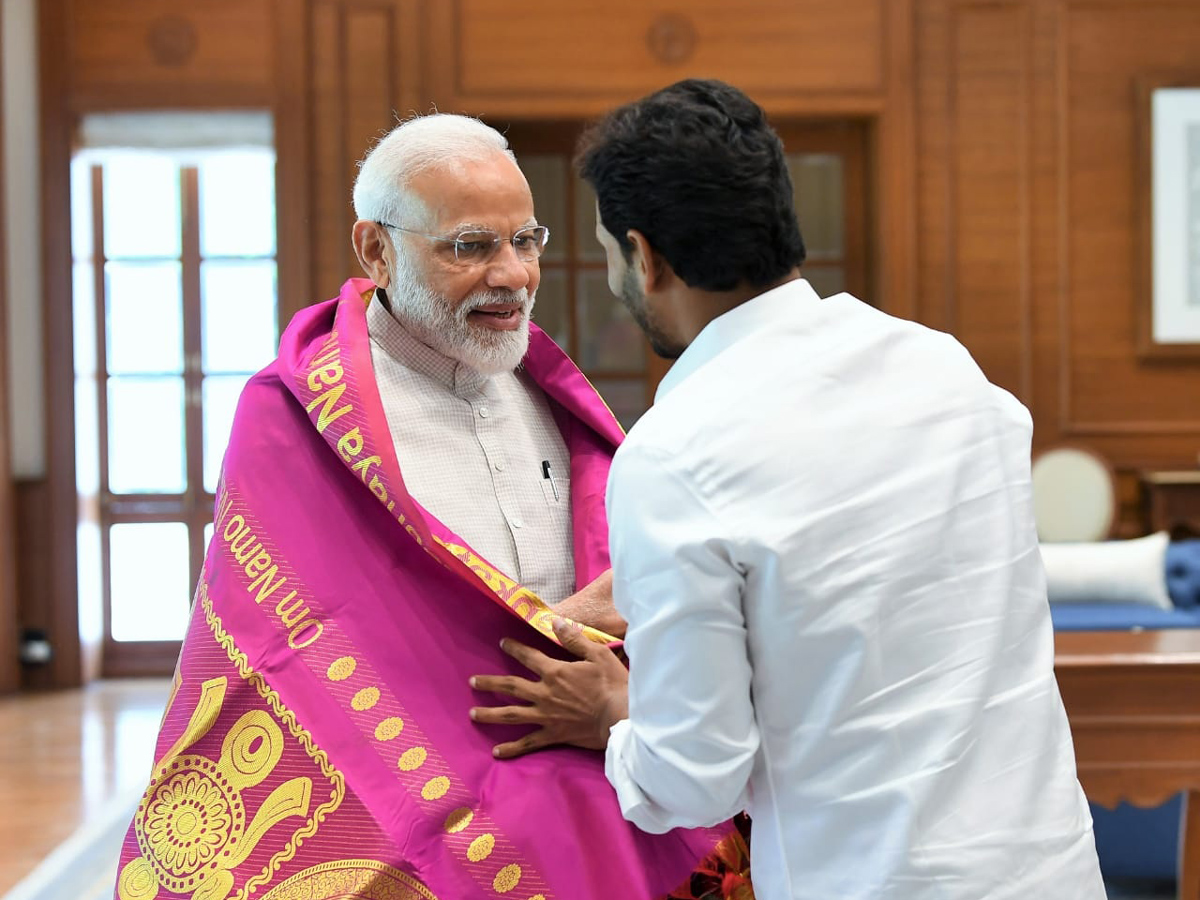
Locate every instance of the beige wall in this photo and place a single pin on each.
(24, 381)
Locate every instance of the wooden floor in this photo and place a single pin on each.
(66, 757)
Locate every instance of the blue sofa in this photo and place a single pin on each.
(1133, 842)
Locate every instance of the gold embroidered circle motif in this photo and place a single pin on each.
(341, 669)
(412, 759)
(507, 879)
(436, 788)
(458, 820)
(481, 848)
(538, 897)
(389, 728)
(138, 881)
(187, 816)
(365, 699)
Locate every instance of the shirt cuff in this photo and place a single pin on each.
(636, 807)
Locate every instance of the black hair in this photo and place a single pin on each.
(698, 171)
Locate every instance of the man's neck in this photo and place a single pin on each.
(696, 308)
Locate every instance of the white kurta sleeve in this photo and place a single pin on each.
(683, 757)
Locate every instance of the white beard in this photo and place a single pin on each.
(431, 319)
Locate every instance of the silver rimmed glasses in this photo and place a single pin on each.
(477, 247)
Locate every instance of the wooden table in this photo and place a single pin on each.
(1133, 699)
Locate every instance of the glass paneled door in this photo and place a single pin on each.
(175, 308)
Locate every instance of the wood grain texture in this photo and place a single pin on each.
(365, 59)
(613, 51)
(293, 160)
(989, 304)
(1107, 390)
(1133, 700)
(1027, 212)
(894, 168)
(138, 52)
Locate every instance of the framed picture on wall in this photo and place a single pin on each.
(1168, 293)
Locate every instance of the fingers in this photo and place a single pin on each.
(534, 660)
(506, 715)
(570, 635)
(510, 685)
(535, 740)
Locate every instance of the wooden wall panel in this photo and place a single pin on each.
(568, 57)
(365, 65)
(47, 509)
(125, 52)
(1027, 214)
(988, 302)
(1109, 395)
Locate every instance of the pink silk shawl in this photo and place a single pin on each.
(317, 743)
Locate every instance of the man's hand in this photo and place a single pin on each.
(574, 702)
(593, 606)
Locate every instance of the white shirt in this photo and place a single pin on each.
(823, 541)
(473, 451)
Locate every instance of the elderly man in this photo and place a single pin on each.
(419, 475)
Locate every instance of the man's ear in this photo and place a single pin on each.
(648, 265)
(370, 246)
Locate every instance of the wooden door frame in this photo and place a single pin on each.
(73, 664)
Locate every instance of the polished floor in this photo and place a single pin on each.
(67, 758)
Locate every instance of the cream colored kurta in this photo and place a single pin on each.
(474, 451)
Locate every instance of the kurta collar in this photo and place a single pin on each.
(731, 327)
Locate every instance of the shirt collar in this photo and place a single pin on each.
(396, 341)
(729, 328)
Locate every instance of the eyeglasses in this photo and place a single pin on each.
(475, 248)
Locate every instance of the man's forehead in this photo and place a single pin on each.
(475, 195)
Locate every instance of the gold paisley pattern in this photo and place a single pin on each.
(507, 879)
(365, 699)
(481, 848)
(341, 669)
(389, 728)
(412, 759)
(436, 788)
(458, 820)
(362, 878)
(137, 880)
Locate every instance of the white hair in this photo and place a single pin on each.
(381, 191)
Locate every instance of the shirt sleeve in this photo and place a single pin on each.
(683, 757)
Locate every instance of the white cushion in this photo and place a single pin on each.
(1132, 571)
(1073, 496)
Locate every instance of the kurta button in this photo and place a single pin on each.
(483, 412)
(499, 464)
(517, 523)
